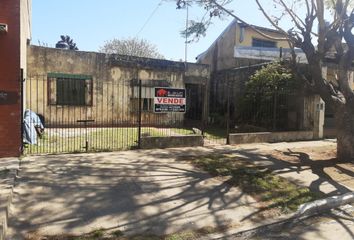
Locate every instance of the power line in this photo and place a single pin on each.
(149, 18)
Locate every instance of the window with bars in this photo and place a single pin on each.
(147, 99)
(263, 43)
(147, 104)
(70, 90)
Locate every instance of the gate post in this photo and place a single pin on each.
(139, 116)
(228, 113)
(22, 79)
(274, 124)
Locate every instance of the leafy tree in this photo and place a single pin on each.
(66, 42)
(132, 47)
(317, 34)
(274, 77)
(263, 103)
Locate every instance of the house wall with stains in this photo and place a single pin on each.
(111, 87)
(221, 54)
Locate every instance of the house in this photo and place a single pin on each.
(66, 87)
(243, 45)
(15, 33)
(237, 54)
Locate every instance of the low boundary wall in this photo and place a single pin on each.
(172, 141)
(239, 138)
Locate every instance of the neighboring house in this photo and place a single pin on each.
(240, 50)
(66, 86)
(240, 45)
(236, 55)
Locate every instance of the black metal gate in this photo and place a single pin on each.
(82, 115)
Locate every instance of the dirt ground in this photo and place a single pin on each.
(321, 160)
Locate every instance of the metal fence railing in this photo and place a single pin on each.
(235, 109)
(81, 115)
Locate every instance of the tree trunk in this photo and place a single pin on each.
(345, 133)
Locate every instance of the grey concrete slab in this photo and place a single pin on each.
(134, 191)
(152, 191)
(8, 171)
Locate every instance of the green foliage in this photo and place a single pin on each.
(264, 103)
(196, 29)
(332, 5)
(273, 77)
(66, 42)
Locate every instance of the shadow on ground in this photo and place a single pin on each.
(129, 191)
(151, 191)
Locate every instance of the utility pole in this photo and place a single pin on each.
(186, 42)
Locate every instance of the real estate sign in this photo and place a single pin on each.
(169, 100)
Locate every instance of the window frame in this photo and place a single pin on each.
(149, 104)
(54, 77)
(264, 41)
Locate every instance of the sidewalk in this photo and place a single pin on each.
(8, 171)
(156, 191)
(144, 191)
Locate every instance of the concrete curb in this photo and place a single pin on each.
(7, 190)
(248, 231)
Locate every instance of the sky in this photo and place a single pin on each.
(92, 22)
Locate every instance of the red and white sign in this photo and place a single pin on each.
(170, 100)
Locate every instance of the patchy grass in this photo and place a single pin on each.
(215, 133)
(262, 184)
(117, 233)
(74, 140)
(193, 234)
(183, 131)
(99, 139)
(98, 233)
(101, 234)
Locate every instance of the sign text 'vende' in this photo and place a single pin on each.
(170, 100)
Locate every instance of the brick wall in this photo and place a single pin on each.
(10, 106)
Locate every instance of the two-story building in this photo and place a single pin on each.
(238, 53)
(243, 45)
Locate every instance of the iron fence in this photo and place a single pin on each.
(234, 108)
(80, 114)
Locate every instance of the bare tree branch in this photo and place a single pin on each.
(249, 25)
(271, 21)
(294, 17)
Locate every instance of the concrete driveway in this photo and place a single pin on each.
(134, 191)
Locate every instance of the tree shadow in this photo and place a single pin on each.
(133, 192)
(318, 168)
(150, 191)
(280, 166)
